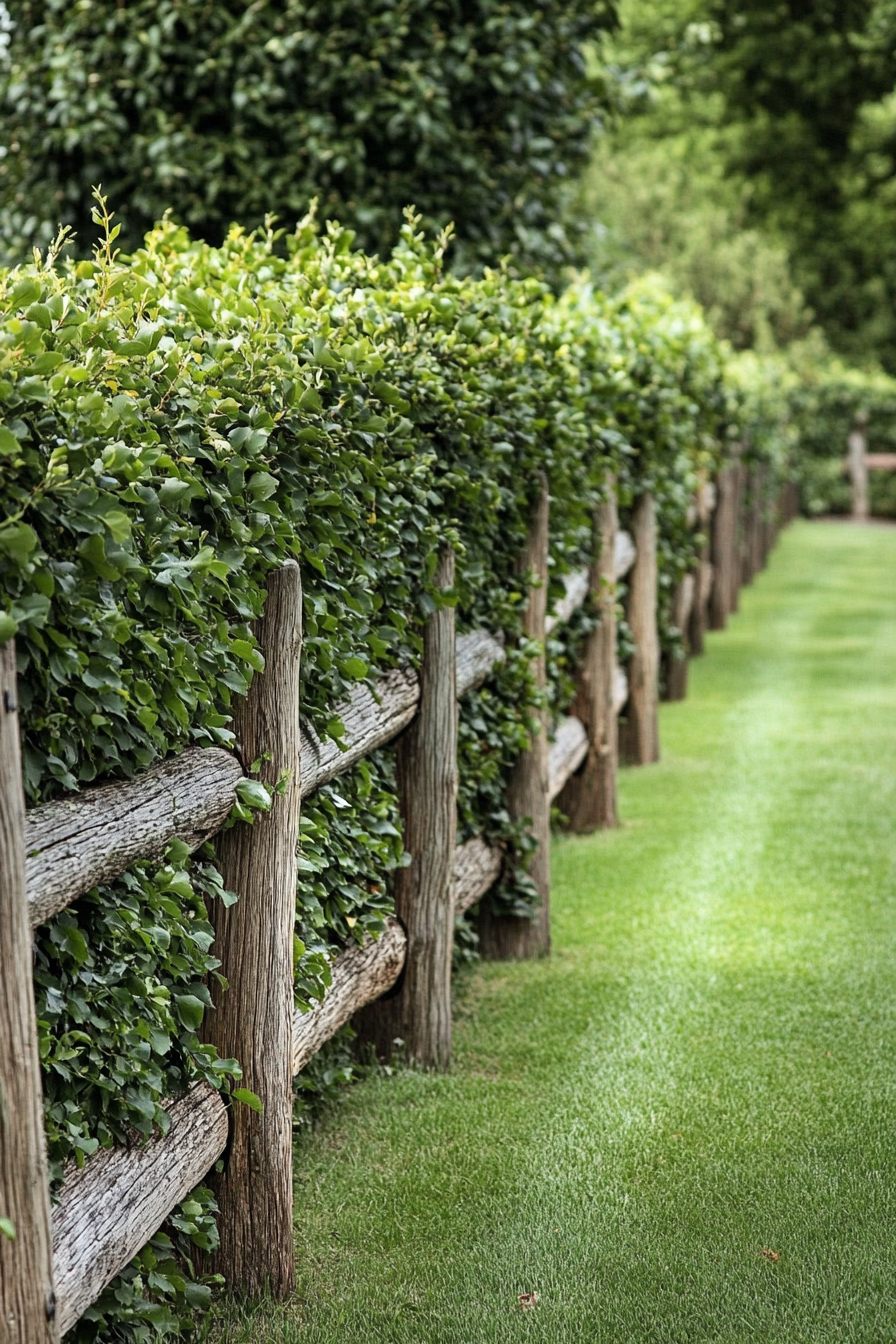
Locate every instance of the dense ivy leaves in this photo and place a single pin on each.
(159, 1293)
(121, 990)
(478, 113)
(176, 423)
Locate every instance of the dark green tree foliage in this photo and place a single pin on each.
(795, 76)
(476, 111)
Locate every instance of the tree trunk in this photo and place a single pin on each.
(426, 761)
(639, 737)
(253, 1020)
(27, 1302)
(505, 937)
(589, 798)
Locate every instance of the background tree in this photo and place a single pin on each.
(477, 111)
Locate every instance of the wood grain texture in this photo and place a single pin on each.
(476, 654)
(76, 843)
(419, 1014)
(676, 669)
(253, 1019)
(28, 1313)
(502, 937)
(566, 753)
(360, 975)
(724, 528)
(699, 619)
(370, 719)
(576, 587)
(477, 866)
(639, 737)
(589, 798)
(121, 1196)
(624, 554)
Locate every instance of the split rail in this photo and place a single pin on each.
(61, 1261)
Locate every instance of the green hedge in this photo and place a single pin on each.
(177, 422)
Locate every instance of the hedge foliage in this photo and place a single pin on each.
(174, 425)
(479, 113)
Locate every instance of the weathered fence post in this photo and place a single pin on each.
(504, 937)
(676, 669)
(589, 796)
(724, 532)
(254, 939)
(706, 495)
(27, 1302)
(735, 573)
(858, 467)
(419, 1014)
(639, 742)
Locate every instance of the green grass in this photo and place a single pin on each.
(706, 1067)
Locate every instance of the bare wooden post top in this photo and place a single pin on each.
(27, 1301)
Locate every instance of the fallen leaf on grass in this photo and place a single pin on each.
(527, 1300)
(769, 1255)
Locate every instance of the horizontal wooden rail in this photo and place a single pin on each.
(577, 585)
(75, 843)
(360, 975)
(120, 1198)
(624, 555)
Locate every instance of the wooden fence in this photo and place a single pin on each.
(60, 1262)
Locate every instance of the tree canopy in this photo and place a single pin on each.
(476, 111)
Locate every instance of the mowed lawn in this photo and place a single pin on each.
(682, 1127)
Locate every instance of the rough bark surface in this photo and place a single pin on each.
(624, 555)
(589, 798)
(476, 655)
(858, 469)
(502, 937)
(639, 737)
(75, 843)
(697, 626)
(739, 476)
(577, 587)
(724, 524)
(419, 1014)
(677, 668)
(477, 865)
(360, 974)
(28, 1313)
(253, 1020)
(370, 720)
(121, 1197)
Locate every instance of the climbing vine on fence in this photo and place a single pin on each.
(174, 425)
